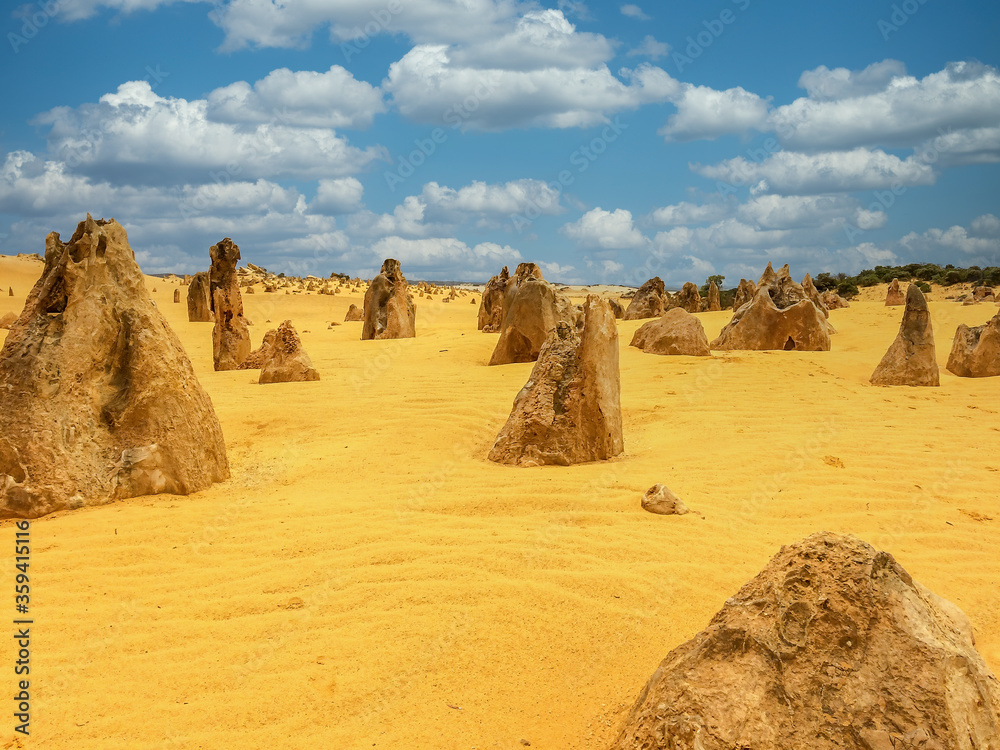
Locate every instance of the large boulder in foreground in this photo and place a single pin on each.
(894, 295)
(532, 310)
(491, 306)
(284, 360)
(911, 359)
(975, 352)
(389, 311)
(677, 332)
(230, 336)
(199, 299)
(100, 402)
(650, 301)
(569, 411)
(832, 646)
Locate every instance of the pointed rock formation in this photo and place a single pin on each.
(894, 295)
(7, 320)
(661, 500)
(100, 401)
(812, 294)
(230, 336)
(650, 301)
(832, 646)
(199, 299)
(491, 306)
(284, 360)
(354, 313)
(975, 352)
(616, 308)
(256, 359)
(911, 359)
(714, 305)
(689, 298)
(744, 293)
(389, 311)
(532, 310)
(779, 316)
(569, 411)
(10, 291)
(177, 296)
(677, 332)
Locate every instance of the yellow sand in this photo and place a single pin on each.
(368, 579)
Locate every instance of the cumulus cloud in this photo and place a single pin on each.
(705, 113)
(792, 173)
(339, 196)
(334, 99)
(427, 86)
(956, 239)
(884, 107)
(480, 198)
(610, 230)
(686, 212)
(446, 253)
(136, 136)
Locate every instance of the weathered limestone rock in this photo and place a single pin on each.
(616, 308)
(714, 304)
(650, 301)
(491, 307)
(744, 293)
(10, 291)
(230, 336)
(911, 359)
(834, 301)
(256, 359)
(778, 317)
(677, 332)
(894, 295)
(532, 309)
(661, 500)
(689, 298)
(199, 299)
(7, 320)
(177, 296)
(284, 359)
(100, 402)
(975, 352)
(569, 411)
(389, 311)
(354, 313)
(812, 294)
(832, 646)
(983, 293)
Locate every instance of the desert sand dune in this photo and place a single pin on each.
(368, 579)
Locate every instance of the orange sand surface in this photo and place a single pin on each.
(367, 579)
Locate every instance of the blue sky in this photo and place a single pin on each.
(609, 142)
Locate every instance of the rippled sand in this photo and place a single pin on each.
(368, 579)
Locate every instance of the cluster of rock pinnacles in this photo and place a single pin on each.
(818, 650)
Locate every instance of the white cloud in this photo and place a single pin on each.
(334, 99)
(824, 84)
(704, 113)
(956, 239)
(686, 212)
(445, 253)
(427, 86)
(799, 211)
(634, 11)
(610, 230)
(406, 219)
(790, 173)
(650, 48)
(905, 111)
(973, 146)
(480, 198)
(986, 225)
(339, 196)
(136, 136)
